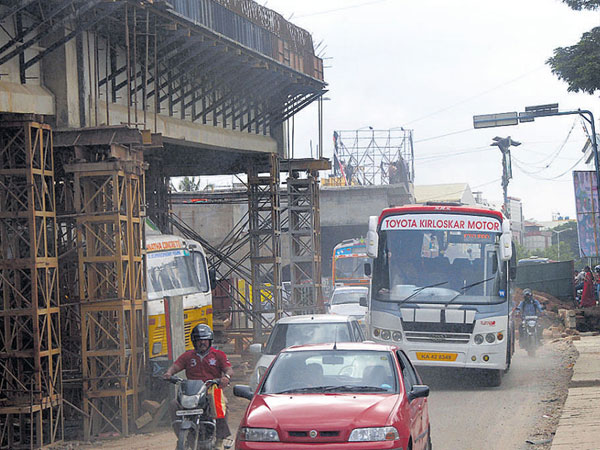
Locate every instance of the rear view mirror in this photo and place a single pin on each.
(367, 269)
(363, 301)
(334, 360)
(418, 391)
(372, 238)
(241, 390)
(212, 277)
(255, 348)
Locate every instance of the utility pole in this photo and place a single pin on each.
(504, 145)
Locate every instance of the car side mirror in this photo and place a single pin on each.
(241, 390)
(367, 269)
(327, 304)
(513, 273)
(255, 348)
(418, 391)
(363, 301)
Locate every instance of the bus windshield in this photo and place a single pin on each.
(175, 272)
(351, 267)
(437, 266)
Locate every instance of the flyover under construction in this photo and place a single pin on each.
(101, 102)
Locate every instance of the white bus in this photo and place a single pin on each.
(441, 286)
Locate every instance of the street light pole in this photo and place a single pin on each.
(504, 145)
(558, 233)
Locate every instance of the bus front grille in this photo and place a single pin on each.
(447, 338)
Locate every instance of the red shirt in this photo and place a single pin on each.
(207, 367)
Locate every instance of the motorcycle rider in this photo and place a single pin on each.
(204, 363)
(529, 307)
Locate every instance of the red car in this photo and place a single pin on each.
(337, 396)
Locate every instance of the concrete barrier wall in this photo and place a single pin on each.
(553, 278)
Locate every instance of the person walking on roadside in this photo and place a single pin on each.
(588, 296)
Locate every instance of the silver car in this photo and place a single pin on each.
(301, 330)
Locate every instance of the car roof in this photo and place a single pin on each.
(373, 346)
(315, 318)
(351, 288)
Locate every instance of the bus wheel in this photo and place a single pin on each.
(493, 378)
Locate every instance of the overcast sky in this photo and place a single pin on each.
(430, 65)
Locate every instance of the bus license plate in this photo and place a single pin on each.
(431, 356)
(189, 412)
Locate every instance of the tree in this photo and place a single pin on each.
(189, 184)
(579, 64)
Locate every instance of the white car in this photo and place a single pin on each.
(346, 300)
(301, 330)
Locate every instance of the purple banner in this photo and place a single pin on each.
(588, 214)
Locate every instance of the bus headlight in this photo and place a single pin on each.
(156, 348)
(397, 336)
(490, 338)
(385, 334)
(500, 336)
(376, 332)
(478, 339)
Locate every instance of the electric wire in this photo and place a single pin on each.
(328, 11)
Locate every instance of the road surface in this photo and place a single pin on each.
(467, 415)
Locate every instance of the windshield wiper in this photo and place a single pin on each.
(466, 288)
(303, 389)
(417, 290)
(351, 388)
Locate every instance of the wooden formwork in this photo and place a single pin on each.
(30, 348)
(108, 199)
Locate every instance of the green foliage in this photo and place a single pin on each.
(578, 5)
(579, 64)
(189, 184)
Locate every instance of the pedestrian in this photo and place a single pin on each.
(588, 296)
(597, 281)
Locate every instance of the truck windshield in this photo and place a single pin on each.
(436, 266)
(174, 272)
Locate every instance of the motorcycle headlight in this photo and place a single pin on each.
(258, 434)
(374, 434)
(531, 323)
(189, 401)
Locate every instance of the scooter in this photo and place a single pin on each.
(531, 338)
(195, 428)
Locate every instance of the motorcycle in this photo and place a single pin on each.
(195, 428)
(531, 338)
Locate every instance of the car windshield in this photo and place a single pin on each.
(349, 296)
(288, 334)
(436, 265)
(342, 371)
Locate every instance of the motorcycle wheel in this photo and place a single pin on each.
(531, 350)
(182, 438)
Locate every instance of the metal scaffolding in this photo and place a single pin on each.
(265, 242)
(30, 348)
(372, 157)
(108, 202)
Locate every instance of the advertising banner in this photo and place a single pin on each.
(588, 217)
